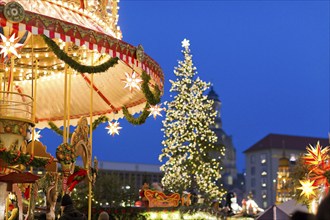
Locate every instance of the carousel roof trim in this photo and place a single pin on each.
(80, 35)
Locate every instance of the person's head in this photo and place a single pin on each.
(103, 216)
(215, 203)
(145, 185)
(230, 197)
(66, 200)
(298, 215)
(250, 196)
(42, 216)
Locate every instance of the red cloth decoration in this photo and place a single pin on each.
(82, 4)
(75, 178)
(27, 193)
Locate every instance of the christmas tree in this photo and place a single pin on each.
(188, 139)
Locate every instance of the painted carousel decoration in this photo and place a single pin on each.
(63, 63)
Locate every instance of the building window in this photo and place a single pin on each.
(253, 159)
(253, 171)
(264, 204)
(293, 157)
(253, 182)
(263, 158)
(263, 182)
(263, 173)
(230, 180)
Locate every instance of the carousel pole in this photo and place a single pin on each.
(65, 117)
(34, 95)
(11, 80)
(1, 84)
(69, 105)
(91, 141)
(7, 206)
(65, 139)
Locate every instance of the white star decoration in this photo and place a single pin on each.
(9, 46)
(113, 128)
(36, 135)
(132, 81)
(185, 43)
(155, 110)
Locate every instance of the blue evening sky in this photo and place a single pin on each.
(268, 62)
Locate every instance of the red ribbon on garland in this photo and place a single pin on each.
(75, 178)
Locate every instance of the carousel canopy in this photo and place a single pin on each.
(89, 36)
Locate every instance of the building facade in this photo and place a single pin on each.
(283, 182)
(130, 175)
(262, 163)
(229, 173)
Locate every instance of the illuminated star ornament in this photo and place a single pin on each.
(8, 46)
(113, 128)
(155, 110)
(316, 156)
(307, 188)
(185, 43)
(36, 135)
(132, 81)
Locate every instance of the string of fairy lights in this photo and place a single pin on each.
(188, 139)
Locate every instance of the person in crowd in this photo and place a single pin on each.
(251, 207)
(231, 204)
(299, 215)
(103, 216)
(42, 216)
(156, 186)
(323, 212)
(143, 198)
(216, 206)
(69, 211)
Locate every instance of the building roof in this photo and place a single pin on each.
(131, 167)
(213, 95)
(280, 141)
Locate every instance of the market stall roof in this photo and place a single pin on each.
(14, 177)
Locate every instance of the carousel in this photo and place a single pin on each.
(62, 64)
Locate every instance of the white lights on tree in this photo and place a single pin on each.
(156, 110)
(188, 139)
(113, 128)
(132, 81)
(9, 46)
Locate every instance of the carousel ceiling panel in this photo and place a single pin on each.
(109, 95)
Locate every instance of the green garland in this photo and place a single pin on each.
(151, 98)
(95, 124)
(16, 157)
(139, 120)
(74, 64)
(57, 129)
(98, 121)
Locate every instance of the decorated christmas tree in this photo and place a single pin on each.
(188, 139)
